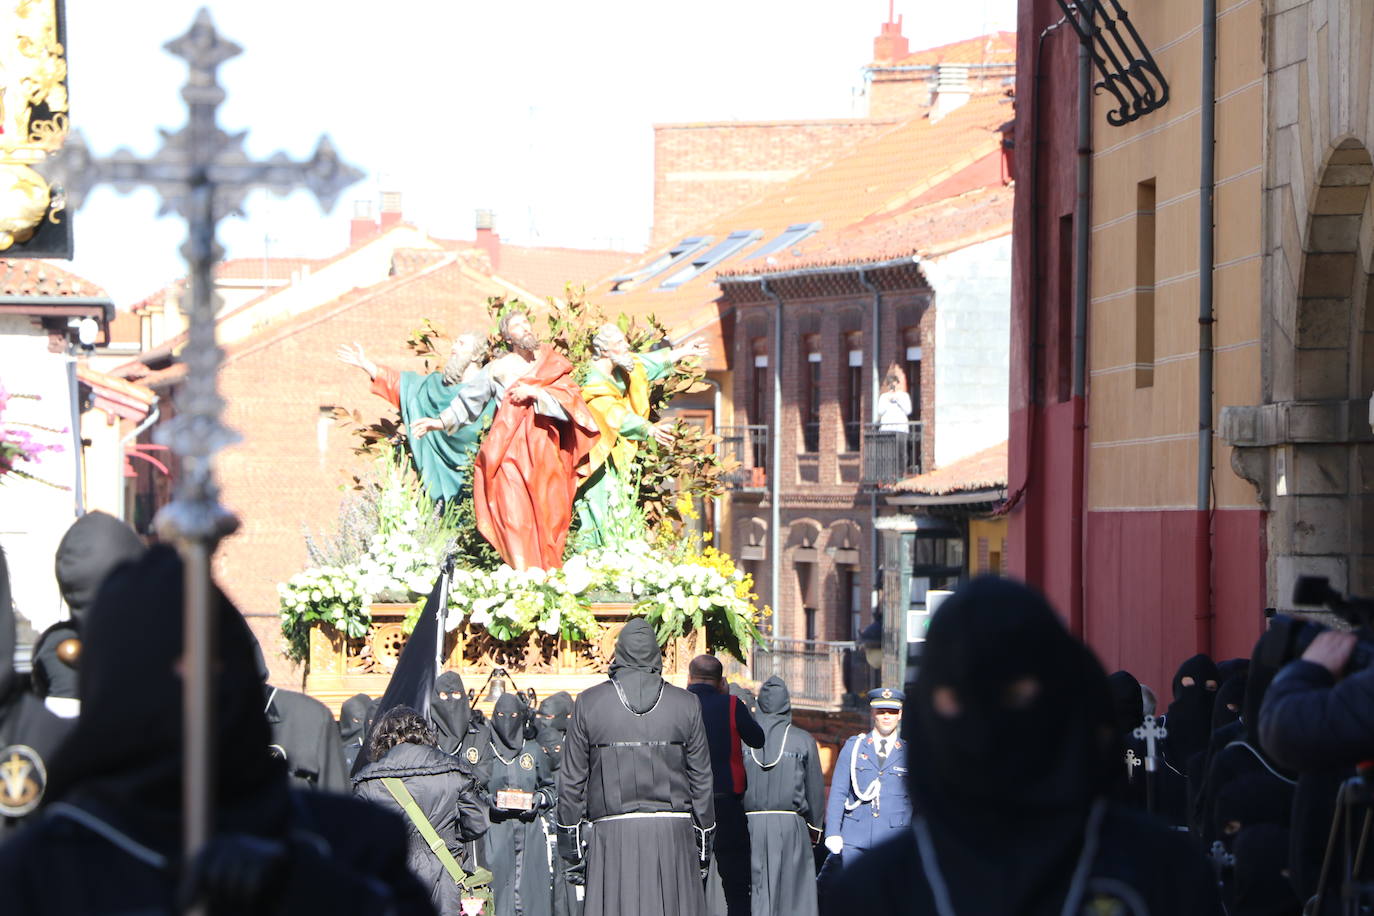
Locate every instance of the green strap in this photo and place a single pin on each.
(435, 842)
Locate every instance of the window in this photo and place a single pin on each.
(850, 597)
(811, 396)
(912, 370)
(810, 613)
(760, 391)
(789, 237)
(674, 255)
(710, 258)
(853, 402)
(1145, 284)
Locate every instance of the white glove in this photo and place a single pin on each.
(834, 844)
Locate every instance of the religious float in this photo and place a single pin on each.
(544, 573)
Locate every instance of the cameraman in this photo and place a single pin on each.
(1318, 720)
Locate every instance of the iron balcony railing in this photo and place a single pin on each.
(816, 672)
(891, 452)
(747, 445)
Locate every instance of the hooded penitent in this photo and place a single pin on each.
(1189, 719)
(554, 715)
(1006, 763)
(93, 546)
(1228, 702)
(637, 667)
(508, 724)
(1262, 887)
(353, 725)
(774, 716)
(449, 710)
(1128, 705)
(124, 758)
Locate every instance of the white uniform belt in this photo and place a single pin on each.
(771, 811)
(641, 814)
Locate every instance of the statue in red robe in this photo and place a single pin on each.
(527, 470)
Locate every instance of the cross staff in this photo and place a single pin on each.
(1150, 731)
(203, 174)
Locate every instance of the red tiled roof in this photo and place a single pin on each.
(130, 400)
(983, 470)
(127, 327)
(546, 271)
(883, 177)
(33, 277)
(262, 268)
(995, 48)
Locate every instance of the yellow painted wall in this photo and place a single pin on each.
(986, 538)
(1143, 439)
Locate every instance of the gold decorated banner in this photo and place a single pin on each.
(33, 113)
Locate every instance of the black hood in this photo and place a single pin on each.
(93, 546)
(774, 715)
(1232, 667)
(638, 666)
(1251, 799)
(1261, 887)
(449, 710)
(7, 632)
(1230, 693)
(1189, 719)
(1031, 701)
(508, 723)
(353, 716)
(125, 754)
(1128, 705)
(556, 710)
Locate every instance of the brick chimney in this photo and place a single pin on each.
(487, 239)
(890, 46)
(391, 210)
(951, 89)
(362, 227)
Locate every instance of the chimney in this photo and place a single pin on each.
(487, 239)
(890, 46)
(951, 89)
(361, 227)
(391, 210)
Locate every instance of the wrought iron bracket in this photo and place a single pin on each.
(1128, 69)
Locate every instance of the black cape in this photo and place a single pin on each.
(636, 745)
(305, 734)
(785, 805)
(109, 836)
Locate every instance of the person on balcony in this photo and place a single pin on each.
(894, 403)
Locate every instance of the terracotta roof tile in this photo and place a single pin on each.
(883, 177)
(995, 48)
(980, 471)
(262, 268)
(34, 277)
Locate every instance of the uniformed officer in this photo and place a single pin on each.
(868, 793)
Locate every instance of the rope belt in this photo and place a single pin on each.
(637, 815)
(640, 744)
(793, 813)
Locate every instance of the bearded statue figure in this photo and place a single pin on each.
(443, 460)
(616, 389)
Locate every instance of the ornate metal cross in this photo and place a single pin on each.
(202, 173)
(1132, 762)
(1150, 732)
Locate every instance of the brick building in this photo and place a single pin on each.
(881, 257)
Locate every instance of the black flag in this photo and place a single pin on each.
(412, 683)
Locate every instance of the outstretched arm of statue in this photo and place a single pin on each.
(353, 355)
(545, 404)
(693, 349)
(421, 425)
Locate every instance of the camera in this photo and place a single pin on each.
(1288, 637)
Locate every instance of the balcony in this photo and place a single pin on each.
(818, 674)
(890, 454)
(747, 445)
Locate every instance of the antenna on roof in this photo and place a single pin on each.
(891, 10)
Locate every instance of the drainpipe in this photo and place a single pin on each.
(715, 427)
(153, 414)
(1205, 320)
(876, 384)
(1082, 237)
(78, 453)
(775, 460)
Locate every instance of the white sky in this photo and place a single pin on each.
(541, 110)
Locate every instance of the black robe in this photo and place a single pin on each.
(29, 732)
(637, 746)
(517, 847)
(785, 804)
(306, 736)
(354, 719)
(554, 715)
(108, 839)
